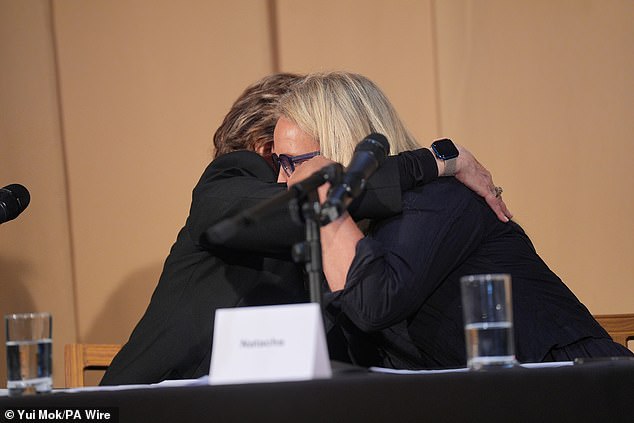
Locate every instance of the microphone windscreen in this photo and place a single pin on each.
(14, 199)
(377, 144)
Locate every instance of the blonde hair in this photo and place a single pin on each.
(339, 109)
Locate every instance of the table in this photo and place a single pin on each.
(591, 392)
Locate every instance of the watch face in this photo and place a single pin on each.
(444, 149)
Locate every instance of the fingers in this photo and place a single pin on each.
(493, 194)
(494, 200)
(499, 208)
(497, 204)
(475, 176)
(479, 179)
(507, 213)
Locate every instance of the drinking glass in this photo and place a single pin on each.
(488, 318)
(29, 353)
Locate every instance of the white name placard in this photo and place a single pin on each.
(269, 344)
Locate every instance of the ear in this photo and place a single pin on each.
(264, 150)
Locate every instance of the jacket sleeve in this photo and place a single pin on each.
(238, 181)
(231, 184)
(403, 261)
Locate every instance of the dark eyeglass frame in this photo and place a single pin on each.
(288, 163)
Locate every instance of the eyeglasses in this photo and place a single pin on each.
(288, 162)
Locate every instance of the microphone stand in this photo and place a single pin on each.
(305, 208)
(309, 250)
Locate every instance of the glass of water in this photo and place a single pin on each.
(488, 317)
(29, 353)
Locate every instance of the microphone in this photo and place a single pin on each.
(14, 199)
(368, 155)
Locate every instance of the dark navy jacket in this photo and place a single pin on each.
(403, 285)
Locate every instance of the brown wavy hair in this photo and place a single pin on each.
(250, 123)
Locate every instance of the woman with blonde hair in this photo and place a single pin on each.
(399, 284)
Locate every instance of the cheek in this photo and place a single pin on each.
(281, 177)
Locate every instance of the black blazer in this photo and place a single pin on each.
(173, 338)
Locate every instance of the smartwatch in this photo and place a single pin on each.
(446, 151)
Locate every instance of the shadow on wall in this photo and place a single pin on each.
(124, 308)
(15, 298)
